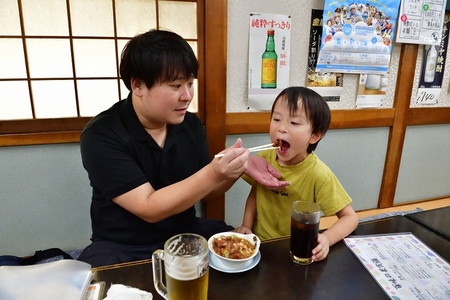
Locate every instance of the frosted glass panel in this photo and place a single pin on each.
(54, 98)
(179, 17)
(123, 90)
(194, 47)
(9, 17)
(49, 58)
(12, 61)
(14, 100)
(193, 107)
(194, 104)
(134, 17)
(92, 18)
(95, 58)
(48, 18)
(94, 96)
(120, 45)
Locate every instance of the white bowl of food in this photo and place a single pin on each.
(234, 249)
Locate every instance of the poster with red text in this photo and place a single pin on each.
(269, 56)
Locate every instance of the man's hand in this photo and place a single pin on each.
(233, 162)
(264, 173)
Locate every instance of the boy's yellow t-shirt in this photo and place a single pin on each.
(310, 180)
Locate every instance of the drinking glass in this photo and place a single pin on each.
(305, 218)
(186, 268)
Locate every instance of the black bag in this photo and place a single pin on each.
(11, 260)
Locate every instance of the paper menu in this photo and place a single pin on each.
(63, 279)
(403, 266)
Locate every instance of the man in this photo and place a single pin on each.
(147, 157)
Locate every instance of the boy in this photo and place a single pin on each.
(299, 118)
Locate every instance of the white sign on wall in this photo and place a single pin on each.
(269, 55)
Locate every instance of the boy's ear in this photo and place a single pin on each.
(315, 137)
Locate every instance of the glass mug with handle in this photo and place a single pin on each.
(186, 267)
(305, 218)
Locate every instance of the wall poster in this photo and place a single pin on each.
(433, 65)
(357, 37)
(327, 84)
(269, 55)
(371, 90)
(421, 22)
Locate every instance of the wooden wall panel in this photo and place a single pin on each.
(215, 87)
(428, 116)
(403, 91)
(241, 123)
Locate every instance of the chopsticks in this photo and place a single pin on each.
(255, 149)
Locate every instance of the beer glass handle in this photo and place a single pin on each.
(157, 258)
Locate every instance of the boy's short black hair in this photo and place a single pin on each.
(157, 56)
(316, 108)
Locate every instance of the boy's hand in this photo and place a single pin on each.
(322, 249)
(243, 229)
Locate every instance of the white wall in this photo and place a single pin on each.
(425, 164)
(44, 199)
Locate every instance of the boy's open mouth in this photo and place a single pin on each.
(284, 146)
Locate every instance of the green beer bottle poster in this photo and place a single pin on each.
(269, 47)
(269, 63)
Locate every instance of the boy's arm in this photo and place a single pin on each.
(249, 213)
(346, 223)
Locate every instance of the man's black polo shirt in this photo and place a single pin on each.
(119, 155)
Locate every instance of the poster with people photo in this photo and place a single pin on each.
(357, 37)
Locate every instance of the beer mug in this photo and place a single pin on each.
(305, 218)
(186, 266)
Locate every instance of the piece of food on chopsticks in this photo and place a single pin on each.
(277, 143)
(274, 145)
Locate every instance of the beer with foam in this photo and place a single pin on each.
(186, 265)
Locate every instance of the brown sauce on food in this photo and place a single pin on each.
(277, 143)
(233, 247)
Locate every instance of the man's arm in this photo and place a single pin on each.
(153, 206)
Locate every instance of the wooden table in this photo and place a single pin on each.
(436, 220)
(340, 276)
